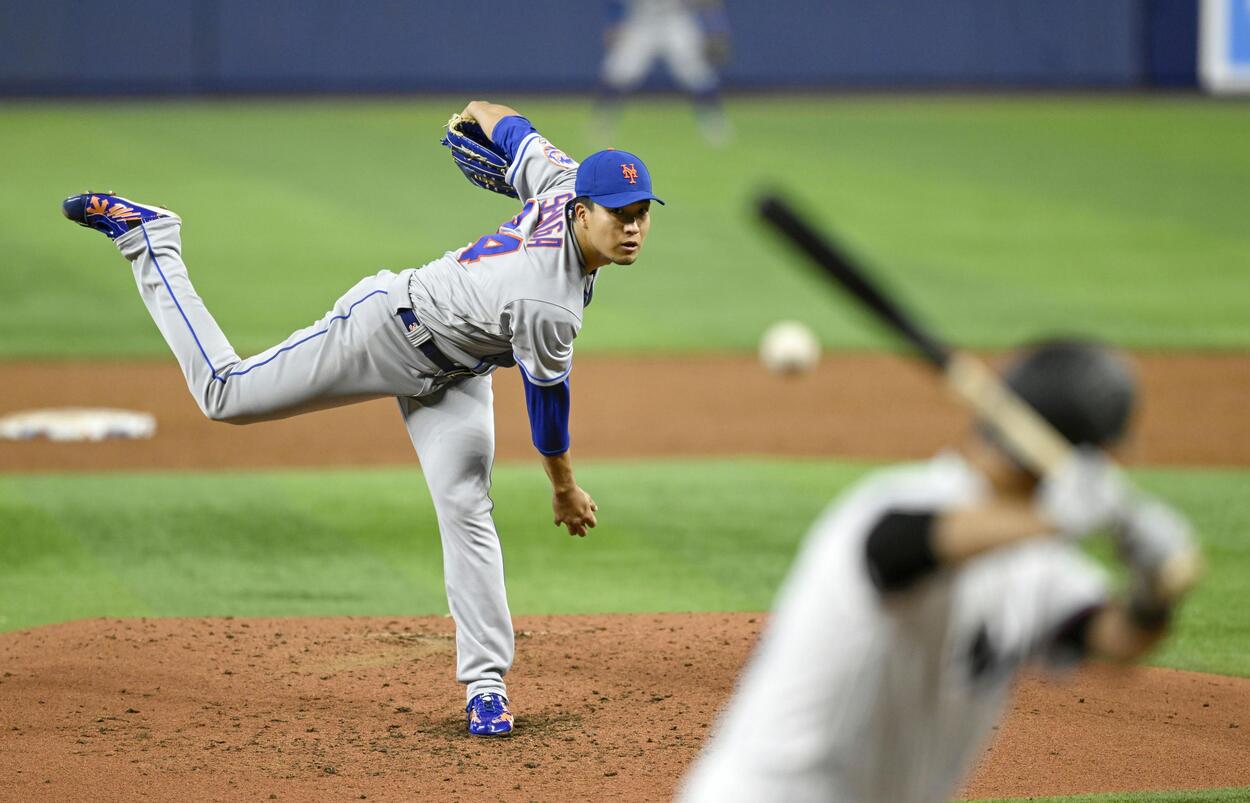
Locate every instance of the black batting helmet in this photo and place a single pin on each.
(1084, 389)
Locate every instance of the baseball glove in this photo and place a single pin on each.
(478, 158)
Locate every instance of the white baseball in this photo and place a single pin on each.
(789, 347)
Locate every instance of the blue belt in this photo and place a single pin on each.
(420, 337)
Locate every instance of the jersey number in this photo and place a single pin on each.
(492, 245)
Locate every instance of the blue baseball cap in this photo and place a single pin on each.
(614, 179)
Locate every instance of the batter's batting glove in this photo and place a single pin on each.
(1150, 533)
(1084, 494)
(1150, 538)
(481, 161)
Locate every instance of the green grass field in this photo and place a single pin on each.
(1007, 218)
(1001, 219)
(1198, 796)
(676, 536)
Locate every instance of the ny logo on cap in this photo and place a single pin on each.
(630, 172)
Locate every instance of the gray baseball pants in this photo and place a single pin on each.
(357, 351)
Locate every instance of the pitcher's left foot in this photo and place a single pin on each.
(489, 715)
(110, 213)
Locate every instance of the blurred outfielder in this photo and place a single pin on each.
(431, 337)
(690, 36)
(923, 591)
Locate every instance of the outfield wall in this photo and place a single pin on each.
(59, 47)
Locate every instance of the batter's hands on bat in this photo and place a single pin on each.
(1150, 532)
(1086, 493)
(1157, 543)
(574, 509)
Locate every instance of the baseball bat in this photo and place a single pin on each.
(1030, 437)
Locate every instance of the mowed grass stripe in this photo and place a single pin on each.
(681, 535)
(50, 573)
(1000, 218)
(1175, 796)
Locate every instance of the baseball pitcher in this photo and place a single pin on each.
(920, 595)
(431, 337)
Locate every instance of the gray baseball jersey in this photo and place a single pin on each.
(856, 695)
(516, 294)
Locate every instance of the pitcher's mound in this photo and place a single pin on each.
(608, 707)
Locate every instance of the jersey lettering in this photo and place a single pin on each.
(549, 233)
(515, 223)
(491, 245)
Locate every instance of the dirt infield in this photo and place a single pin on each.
(855, 405)
(610, 707)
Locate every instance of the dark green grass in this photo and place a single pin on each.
(1193, 796)
(675, 536)
(1002, 218)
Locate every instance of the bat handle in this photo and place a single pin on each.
(1029, 437)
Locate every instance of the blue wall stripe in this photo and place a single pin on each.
(331, 46)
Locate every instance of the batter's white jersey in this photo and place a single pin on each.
(853, 695)
(516, 294)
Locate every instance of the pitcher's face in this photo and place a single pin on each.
(616, 235)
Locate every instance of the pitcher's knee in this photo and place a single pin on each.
(229, 418)
(221, 415)
(216, 406)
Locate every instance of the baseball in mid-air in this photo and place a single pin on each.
(789, 347)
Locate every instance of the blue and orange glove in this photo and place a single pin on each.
(478, 158)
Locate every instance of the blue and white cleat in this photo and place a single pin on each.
(110, 213)
(489, 715)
